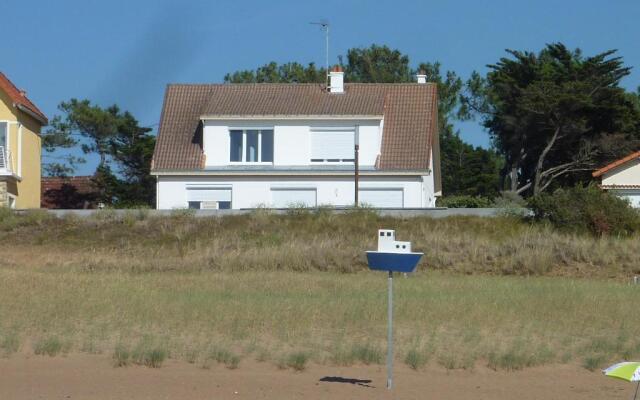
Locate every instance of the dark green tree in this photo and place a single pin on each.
(292, 72)
(556, 115)
(461, 165)
(466, 170)
(376, 64)
(124, 148)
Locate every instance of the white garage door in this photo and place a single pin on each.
(381, 198)
(293, 197)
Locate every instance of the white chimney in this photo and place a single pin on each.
(422, 77)
(336, 80)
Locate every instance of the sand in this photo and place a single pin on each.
(80, 376)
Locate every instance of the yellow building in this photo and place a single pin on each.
(20, 147)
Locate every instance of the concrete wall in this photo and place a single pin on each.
(404, 213)
(292, 140)
(255, 191)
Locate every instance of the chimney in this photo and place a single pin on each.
(421, 76)
(336, 80)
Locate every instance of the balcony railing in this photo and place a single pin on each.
(5, 160)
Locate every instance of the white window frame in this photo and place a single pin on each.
(7, 143)
(244, 146)
(332, 161)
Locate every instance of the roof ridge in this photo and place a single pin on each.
(216, 84)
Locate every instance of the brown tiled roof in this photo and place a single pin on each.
(409, 110)
(615, 164)
(19, 97)
(68, 192)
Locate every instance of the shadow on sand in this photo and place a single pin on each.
(352, 381)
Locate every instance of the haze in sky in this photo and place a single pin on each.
(126, 52)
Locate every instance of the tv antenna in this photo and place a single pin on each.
(324, 25)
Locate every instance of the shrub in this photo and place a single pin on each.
(50, 346)
(297, 361)
(464, 202)
(121, 356)
(586, 209)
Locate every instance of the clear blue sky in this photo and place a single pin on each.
(125, 52)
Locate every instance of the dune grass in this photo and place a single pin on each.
(294, 289)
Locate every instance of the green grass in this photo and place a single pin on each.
(221, 356)
(415, 359)
(266, 288)
(50, 346)
(121, 356)
(297, 360)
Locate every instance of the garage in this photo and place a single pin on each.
(293, 197)
(381, 197)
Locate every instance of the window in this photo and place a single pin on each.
(4, 130)
(251, 145)
(332, 145)
(209, 198)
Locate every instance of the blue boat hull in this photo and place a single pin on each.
(397, 262)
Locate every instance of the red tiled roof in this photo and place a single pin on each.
(615, 164)
(68, 192)
(409, 110)
(19, 98)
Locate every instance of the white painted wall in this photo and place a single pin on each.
(292, 141)
(626, 174)
(254, 191)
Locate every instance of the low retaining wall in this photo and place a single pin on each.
(387, 212)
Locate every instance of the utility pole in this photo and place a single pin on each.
(356, 161)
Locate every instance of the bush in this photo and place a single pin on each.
(586, 209)
(464, 202)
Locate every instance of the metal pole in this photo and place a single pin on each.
(356, 162)
(326, 26)
(390, 334)
(636, 393)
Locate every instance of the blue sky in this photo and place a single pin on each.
(125, 52)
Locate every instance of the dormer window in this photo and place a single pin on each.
(251, 145)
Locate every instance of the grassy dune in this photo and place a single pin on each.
(294, 289)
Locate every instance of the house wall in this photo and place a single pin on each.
(30, 185)
(292, 139)
(254, 191)
(626, 174)
(25, 147)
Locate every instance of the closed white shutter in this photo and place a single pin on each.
(287, 197)
(209, 194)
(332, 144)
(381, 198)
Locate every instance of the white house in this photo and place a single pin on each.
(277, 145)
(622, 178)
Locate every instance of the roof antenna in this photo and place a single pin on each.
(324, 25)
